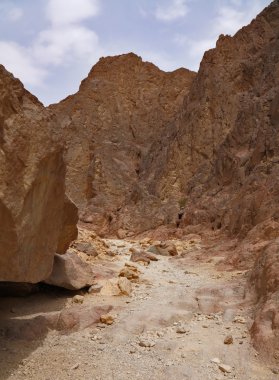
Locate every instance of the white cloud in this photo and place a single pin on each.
(163, 61)
(15, 14)
(172, 11)
(228, 20)
(59, 46)
(17, 60)
(231, 18)
(63, 12)
(66, 41)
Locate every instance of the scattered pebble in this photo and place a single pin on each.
(228, 339)
(181, 330)
(75, 366)
(216, 360)
(78, 299)
(239, 319)
(225, 368)
(108, 319)
(146, 343)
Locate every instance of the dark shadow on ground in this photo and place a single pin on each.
(24, 325)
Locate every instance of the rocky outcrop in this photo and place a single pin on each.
(231, 126)
(70, 272)
(110, 125)
(32, 184)
(264, 281)
(229, 138)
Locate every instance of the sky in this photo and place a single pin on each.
(51, 45)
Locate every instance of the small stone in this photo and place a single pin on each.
(108, 319)
(75, 366)
(225, 368)
(125, 286)
(228, 339)
(96, 288)
(77, 299)
(216, 360)
(275, 371)
(133, 350)
(239, 319)
(146, 343)
(181, 330)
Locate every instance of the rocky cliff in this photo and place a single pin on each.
(229, 137)
(229, 133)
(110, 126)
(32, 185)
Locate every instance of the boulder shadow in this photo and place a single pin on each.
(25, 321)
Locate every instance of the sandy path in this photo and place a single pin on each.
(182, 308)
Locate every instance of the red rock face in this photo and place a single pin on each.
(229, 138)
(32, 184)
(233, 134)
(265, 283)
(112, 126)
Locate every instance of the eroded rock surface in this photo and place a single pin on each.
(70, 272)
(265, 283)
(32, 184)
(229, 134)
(111, 124)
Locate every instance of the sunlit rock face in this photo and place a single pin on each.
(32, 184)
(113, 125)
(229, 133)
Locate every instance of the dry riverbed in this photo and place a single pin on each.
(183, 320)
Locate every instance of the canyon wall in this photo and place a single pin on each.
(110, 126)
(229, 133)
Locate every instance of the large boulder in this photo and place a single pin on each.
(70, 272)
(264, 281)
(32, 184)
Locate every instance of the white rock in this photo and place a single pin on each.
(225, 368)
(146, 343)
(215, 360)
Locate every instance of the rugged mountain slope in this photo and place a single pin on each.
(121, 108)
(229, 138)
(229, 134)
(32, 185)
